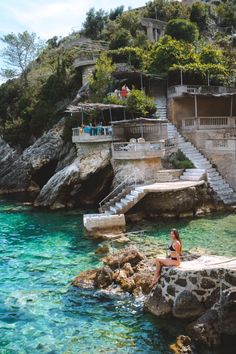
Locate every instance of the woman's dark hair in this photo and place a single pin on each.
(176, 233)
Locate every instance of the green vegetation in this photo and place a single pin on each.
(100, 83)
(182, 30)
(19, 52)
(179, 161)
(198, 41)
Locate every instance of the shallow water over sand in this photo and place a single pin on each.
(41, 313)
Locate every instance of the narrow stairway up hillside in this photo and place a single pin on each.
(223, 190)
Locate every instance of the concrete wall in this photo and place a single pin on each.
(145, 170)
(217, 144)
(85, 149)
(183, 107)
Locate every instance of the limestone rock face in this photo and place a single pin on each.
(56, 193)
(182, 290)
(37, 163)
(81, 182)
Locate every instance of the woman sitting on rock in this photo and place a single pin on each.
(175, 249)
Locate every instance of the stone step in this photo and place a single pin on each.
(135, 193)
(113, 210)
(191, 178)
(119, 205)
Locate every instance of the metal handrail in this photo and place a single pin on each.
(123, 183)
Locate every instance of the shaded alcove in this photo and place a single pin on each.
(43, 174)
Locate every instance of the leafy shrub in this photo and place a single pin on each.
(140, 105)
(120, 39)
(130, 55)
(181, 29)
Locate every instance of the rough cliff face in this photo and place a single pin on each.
(31, 170)
(51, 168)
(81, 182)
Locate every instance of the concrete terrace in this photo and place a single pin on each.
(169, 186)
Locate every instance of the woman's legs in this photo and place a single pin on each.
(159, 263)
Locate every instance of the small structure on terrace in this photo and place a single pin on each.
(95, 130)
(155, 28)
(89, 52)
(206, 115)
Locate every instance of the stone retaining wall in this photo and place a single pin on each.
(186, 291)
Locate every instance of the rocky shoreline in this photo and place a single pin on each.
(61, 178)
(201, 292)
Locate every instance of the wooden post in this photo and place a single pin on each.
(181, 77)
(110, 113)
(141, 80)
(231, 106)
(208, 78)
(196, 111)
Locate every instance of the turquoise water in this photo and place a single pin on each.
(41, 313)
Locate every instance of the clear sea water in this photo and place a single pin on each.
(40, 253)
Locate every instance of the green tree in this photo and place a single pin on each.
(19, 51)
(94, 23)
(120, 39)
(101, 82)
(200, 15)
(116, 12)
(168, 52)
(209, 54)
(227, 13)
(181, 29)
(166, 10)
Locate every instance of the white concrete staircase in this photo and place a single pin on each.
(193, 174)
(223, 190)
(124, 201)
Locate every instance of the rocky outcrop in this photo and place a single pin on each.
(188, 290)
(82, 182)
(217, 323)
(31, 170)
(124, 271)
